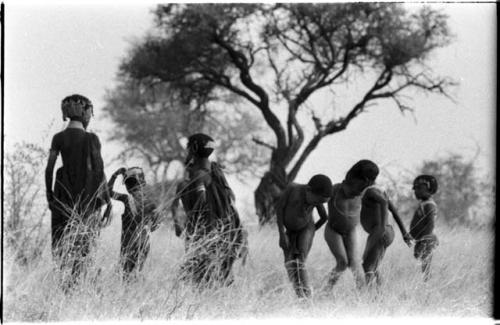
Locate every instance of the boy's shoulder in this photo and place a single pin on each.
(292, 188)
(428, 203)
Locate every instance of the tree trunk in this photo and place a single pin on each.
(267, 194)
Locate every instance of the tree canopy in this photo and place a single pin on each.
(275, 57)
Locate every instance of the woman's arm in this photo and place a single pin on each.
(49, 170)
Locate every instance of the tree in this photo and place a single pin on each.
(153, 119)
(276, 57)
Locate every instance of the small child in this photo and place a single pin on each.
(138, 219)
(344, 209)
(375, 205)
(296, 226)
(422, 224)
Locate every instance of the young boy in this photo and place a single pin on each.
(344, 209)
(138, 219)
(374, 210)
(296, 226)
(422, 224)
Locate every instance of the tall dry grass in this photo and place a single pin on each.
(461, 283)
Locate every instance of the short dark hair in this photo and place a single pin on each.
(429, 181)
(321, 185)
(364, 169)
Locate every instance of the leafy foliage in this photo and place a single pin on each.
(275, 57)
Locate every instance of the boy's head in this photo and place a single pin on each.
(425, 186)
(319, 189)
(77, 108)
(134, 179)
(361, 175)
(200, 146)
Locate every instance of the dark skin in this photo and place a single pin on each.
(135, 241)
(296, 230)
(422, 228)
(208, 210)
(340, 233)
(374, 219)
(192, 194)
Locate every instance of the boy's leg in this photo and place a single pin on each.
(351, 245)
(304, 244)
(426, 267)
(428, 246)
(336, 245)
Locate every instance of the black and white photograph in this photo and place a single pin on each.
(242, 161)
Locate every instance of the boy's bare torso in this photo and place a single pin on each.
(297, 213)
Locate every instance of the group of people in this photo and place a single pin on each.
(353, 201)
(214, 235)
(213, 232)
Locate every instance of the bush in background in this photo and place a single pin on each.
(24, 203)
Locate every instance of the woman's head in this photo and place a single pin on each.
(77, 108)
(199, 146)
(361, 175)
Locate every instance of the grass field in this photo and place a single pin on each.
(461, 285)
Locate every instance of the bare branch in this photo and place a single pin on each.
(264, 144)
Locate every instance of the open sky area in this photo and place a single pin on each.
(54, 50)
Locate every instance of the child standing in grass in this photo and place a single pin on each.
(139, 219)
(79, 190)
(375, 206)
(296, 226)
(344, 208)
(422, 224)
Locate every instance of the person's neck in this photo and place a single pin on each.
(75, 125)
(202, 162)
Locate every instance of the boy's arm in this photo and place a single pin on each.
(430, 213)
(323, 217)
(406, 236)
(280, 214)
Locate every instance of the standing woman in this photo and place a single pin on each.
(79, 190)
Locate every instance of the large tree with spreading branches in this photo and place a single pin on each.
(276, 57)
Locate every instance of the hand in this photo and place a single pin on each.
(408, 239)
(284, 242)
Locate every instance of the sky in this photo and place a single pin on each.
(55, 50)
